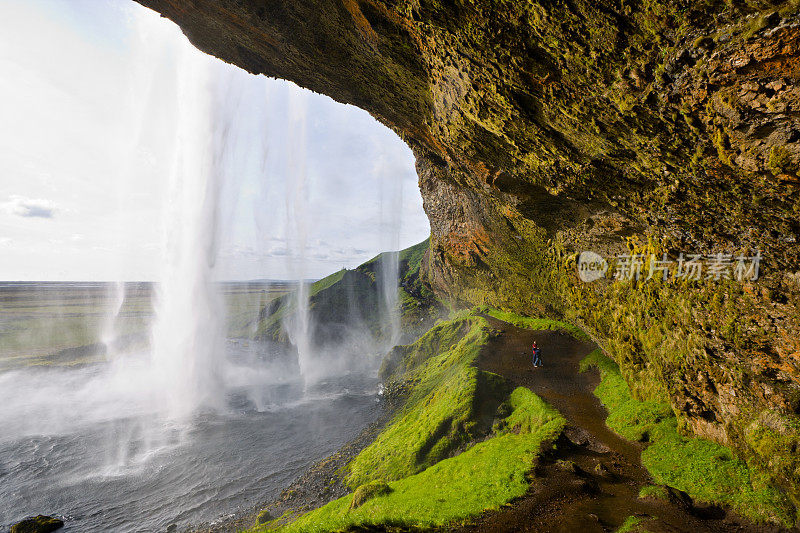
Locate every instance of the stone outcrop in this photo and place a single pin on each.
(544, 128)
(38, 524)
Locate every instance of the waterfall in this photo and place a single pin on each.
(391, 202)
(109, 333)
(298, 324)
(187, 335)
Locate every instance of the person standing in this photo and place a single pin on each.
(537, 355)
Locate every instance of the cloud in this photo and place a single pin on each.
(29, 207)
(277, 251)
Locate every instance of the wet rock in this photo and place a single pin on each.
(571, 466)
(669, 494)
(38, 524)
(580, 437)
(603, 471)
(263, 517)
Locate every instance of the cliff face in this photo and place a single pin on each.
(545, 128)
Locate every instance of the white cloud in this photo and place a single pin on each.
(277, 251)
(29, 207)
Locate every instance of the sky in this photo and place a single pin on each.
(98, 97)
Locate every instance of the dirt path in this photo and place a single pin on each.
(592, 480)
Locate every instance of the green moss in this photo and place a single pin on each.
(366, 492)
(723, 145)
(38, 524)
(709, 472)
(659, 492)
(780, 160)
(536, 323)
(755, 26)
(773, 439)
(633, 419)
(633, 524)
(705, 470)
(484, 477)
(528, 413)
(439, 339)
(790, 8)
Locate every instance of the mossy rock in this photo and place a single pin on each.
(38, 524)
(634, 524)
(368, 491)
(263, 517)
(667, 494)
(656, 492)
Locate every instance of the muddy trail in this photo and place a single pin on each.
(590, 481)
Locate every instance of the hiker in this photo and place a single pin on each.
(537, 355)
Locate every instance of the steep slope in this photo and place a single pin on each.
(350, 300)
(547, 127)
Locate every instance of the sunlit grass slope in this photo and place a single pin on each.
(427, 467)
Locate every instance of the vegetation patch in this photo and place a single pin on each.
(445, 409)
(659, 492)
(366, 492)
(350, 298)
(633, 523)
(535, 323)
(426, 468)
(705, 470)
(482, 478)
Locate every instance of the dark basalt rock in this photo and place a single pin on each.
(38, 524)
(545, 128)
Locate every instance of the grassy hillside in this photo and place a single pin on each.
(352, 299)
(432, 464)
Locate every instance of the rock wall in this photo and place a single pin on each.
(543, 128)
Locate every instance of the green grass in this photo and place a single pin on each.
(633, 523)
(484, 477)
(354, 293)
(441, 412)
(425, 469)
(705, 470)
(412, 258)
(327, 281)
(658, 492)
(632, 419)
(535, 323)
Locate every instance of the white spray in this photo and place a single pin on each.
(109, 331)
(297, 325)
(187, 336)
(391, 202)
